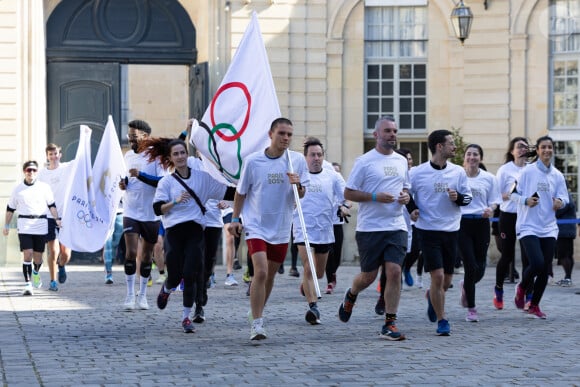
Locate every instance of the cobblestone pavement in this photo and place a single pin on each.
(81, 336)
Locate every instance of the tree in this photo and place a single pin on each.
(460, 144)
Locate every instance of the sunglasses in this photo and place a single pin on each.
(28, 170)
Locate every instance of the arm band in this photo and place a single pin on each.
(235, 220)
(374, 197)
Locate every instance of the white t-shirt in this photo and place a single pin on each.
(138, 200)
(485, 193)
(506, 175)
(204, 186)
(213, 215)
(269, 202)
(58, 179)
(31, 200)
(318, 207)
(376, 172)
(549, 183)
(429, 187)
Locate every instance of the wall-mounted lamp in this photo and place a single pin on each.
(485, 4)
(461, 18)
(227, 6)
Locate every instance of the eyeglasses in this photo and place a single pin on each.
(29, 170)
(133, 137)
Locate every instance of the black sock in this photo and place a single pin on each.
(37, 266)
(390, 317)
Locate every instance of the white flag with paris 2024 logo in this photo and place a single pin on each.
(92, 199)
(237, 121)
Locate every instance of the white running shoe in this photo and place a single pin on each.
(142, 302)
(258, 332)
(27, 291)
(129, 303)
(230, 280)
(161, 279)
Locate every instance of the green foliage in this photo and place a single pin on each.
(460, 144)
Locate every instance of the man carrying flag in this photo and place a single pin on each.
(265, 197)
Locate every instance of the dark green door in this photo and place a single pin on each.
(81, 94)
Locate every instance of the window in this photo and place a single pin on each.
(396, 66)
(566, 161)
(565, 50)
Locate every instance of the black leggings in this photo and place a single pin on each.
(212, 237)
(507, 230)
(335, 254)
(540, 253)
(184, 246)
(474, 237)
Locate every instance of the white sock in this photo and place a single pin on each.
(186, 313)
(143, 286)
(130, 279)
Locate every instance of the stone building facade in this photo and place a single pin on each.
(337, 66)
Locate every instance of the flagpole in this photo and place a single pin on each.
(303, 225)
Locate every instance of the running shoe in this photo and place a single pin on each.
(498, 298)
(36, 280)
(129, 302)
(27, 291)
(565, 283)
(419, 282)
(109, 279)
(142, 302)
(535, 312)
(258, 332)
(430, 311)
(281, 269)
(408, 278)
(180, 286)
(199, 315)
(162, 298)
(246, 277)
(345, 308)
(187, 326)
(211, 282)
(391, 332)
(230, 280)
(150, 281)
(53, 286)
(61, 274)
(520, 297)
(472, 315)
(380, 306)
(330, 288)
(313, 315)
(237, 265)
(294, 272)
(161, 279)
(443, 328)
(463, 300)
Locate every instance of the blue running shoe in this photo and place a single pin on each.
(430, 311)
(443, 328)
(345, 309)
(53, 286)
(61, 274)
(408, 278)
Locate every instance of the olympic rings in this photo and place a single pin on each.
(246, 92)
(85, 218)
(239, 152)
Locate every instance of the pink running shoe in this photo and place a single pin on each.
(535, 312)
